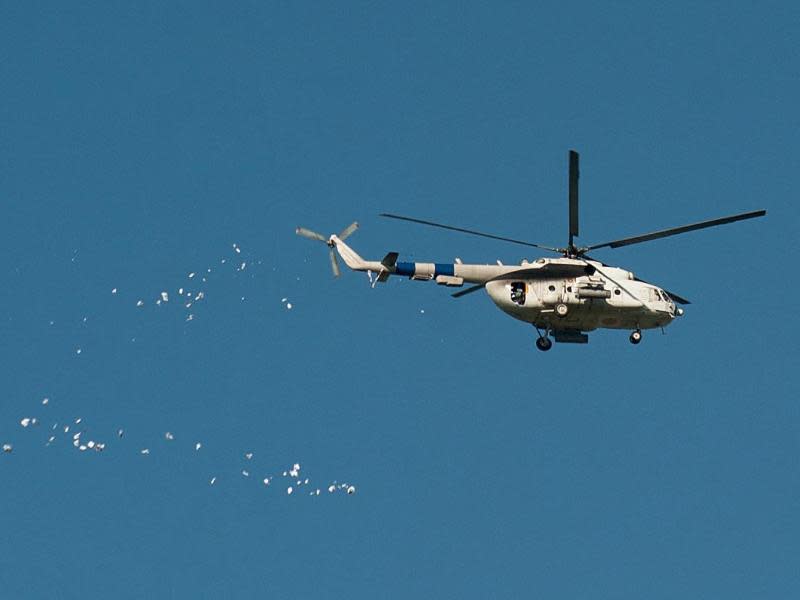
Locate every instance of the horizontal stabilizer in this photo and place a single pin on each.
(390, 260)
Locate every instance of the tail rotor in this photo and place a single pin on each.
(348, 231)
(334, 262)
(329, 241)
(312, 235)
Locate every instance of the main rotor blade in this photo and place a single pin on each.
(469, 231)
(334, 263)
(469, 290)
(312, 235)
(676, 230)
(574, 175)
(347, 232)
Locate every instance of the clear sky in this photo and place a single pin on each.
(139, 142)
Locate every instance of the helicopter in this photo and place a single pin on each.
(564, 297)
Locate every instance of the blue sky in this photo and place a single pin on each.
(140, 143)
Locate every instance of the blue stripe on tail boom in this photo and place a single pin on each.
(404, 268)
(445, 269)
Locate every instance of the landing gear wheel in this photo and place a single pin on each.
(562, 309)
(636, 337)
(544, 344)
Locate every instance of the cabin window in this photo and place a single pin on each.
(617, 292)
(518, 292)
(551, 287)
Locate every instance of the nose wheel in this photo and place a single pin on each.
(636, 337)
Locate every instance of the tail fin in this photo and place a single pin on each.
(350, 257)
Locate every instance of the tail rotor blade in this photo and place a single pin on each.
(334, 263)
(312, 235)
(348, 231)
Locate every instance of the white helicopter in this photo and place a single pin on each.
(561, 297)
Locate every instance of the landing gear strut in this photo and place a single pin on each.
(636, 336)
(543, 343)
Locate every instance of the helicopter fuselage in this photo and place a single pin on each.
(553, 294)
(562, 297)
(592, 301)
